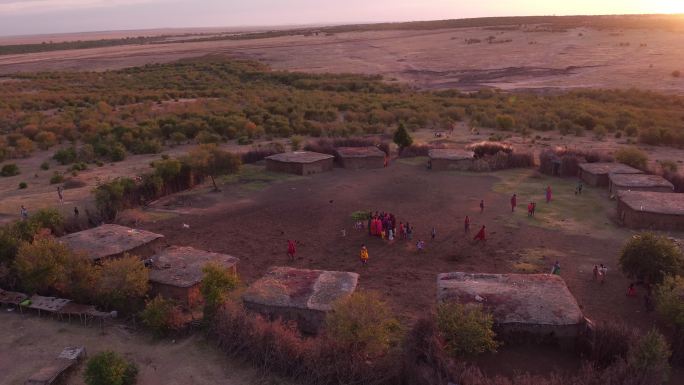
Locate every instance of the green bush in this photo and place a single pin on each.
(216, 285)
(178, 137)
(40, 264)
(669, 298)
(56, 178)
(244, 140)
(401, 137)
(49, 219)
(650, 257)
(466, 329)
(45, 166)
(66, 155)
(123, 284)
(632, 156)
(109, 368)
(363, 323)
(22, 185)
(649, 357)
(10, 169)
(505, 122)
(296, 142)
(162, 316)
(669, 166)
(117, 152)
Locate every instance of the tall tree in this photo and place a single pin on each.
(212, 161)
(401, 137)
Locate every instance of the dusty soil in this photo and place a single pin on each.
(580, 57)
(27, 343)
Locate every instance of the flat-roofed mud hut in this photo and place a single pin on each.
(450, 159)
(651, 210)
(361, 157)
(597, 174)
(638, 182)
(300, 295)
(534, 304)
(113, 241)
(300, 162)
(176, 272)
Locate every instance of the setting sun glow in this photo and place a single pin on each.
(665, 6)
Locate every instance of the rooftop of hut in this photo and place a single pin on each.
(359, 152)
(608, 168)
(450, 154)
(182, 266)
(653, 202)
(107, 240)
(640, 180)
(299, 157)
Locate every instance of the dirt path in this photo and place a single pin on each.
(27, 343)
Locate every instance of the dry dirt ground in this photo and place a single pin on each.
(580, 57)
(27, 343)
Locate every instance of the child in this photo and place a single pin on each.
(409, 231)
(363, 255)
(481, 206)
(420, 245)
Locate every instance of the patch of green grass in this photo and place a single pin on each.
(415, 161)
(255, 178)
(567, 211)
(535, 260)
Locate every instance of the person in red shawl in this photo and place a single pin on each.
(548, 194)
(481, 235)
(514, 202)
(466, 224)
(291, 250)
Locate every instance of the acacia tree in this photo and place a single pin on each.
(211, 160)
(401, 137)
(651, 257)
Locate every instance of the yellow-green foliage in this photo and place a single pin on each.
(632, 156)
(41, 264)
(161, 316)
(466, 329)
(651, 257)
(670, 300)
(216, 285)
(109, 368)
(123, 281)
(364, 322)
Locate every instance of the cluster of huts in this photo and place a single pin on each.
(643, 201)
(307, 162)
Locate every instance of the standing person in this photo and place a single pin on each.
(370, 223)
(466, 224)
(631, 290)
(603, 270)
(76, 212)
(401, 231)
(555, 270)
(481, 235)
(390, 234)
(534, 207)
(579, 187)
(434, 233)
(529, 209)
(420, 245)
(60, 194)
(24, 212)
(596, 272)
(514, 202)
(363, 255)
(291, 250)
(548, 194)
(409, 231)
(481, 206)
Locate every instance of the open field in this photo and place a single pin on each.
(579, 57)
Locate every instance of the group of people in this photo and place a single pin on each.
(384, 225)
(600, 272)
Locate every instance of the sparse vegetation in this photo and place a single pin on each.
(632, 156)
(109, 368)
(216, 285)
(162, 316)
(10, 169)
(651, 257)
(466, 330)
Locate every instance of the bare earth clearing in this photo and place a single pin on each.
(577, 58)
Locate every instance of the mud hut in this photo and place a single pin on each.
(113, 241)
(538, 305)
(651, 210)
(450, 159)
(176, 272)
(596, 174)
(300, 162)
(638, 182)
(361, 157)
(300, 295)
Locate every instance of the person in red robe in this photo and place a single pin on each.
(466, 224)
(514, 202)
(481, 235)
(548, 194)
(291, 250)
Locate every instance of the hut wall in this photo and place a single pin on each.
(318, 167)
(446, 164)
(614, 189)
(299, 168)
(367, 162)
(635, 219)
(596, 180)
(185, 296)
(563, 335)
(308, 321)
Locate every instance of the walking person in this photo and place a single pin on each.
(534, 207)
(555, 270)
(363, 255)
(60, 194)
(420, 245)
(466, 224)
(578, 189)
(548, 194)
(24, 213)
(603, 270)
(434, 233)
(481, 206)
(291, 250)
(409, 231)
(596, 272)
(76, 212)
(481, 235)
(514, 202)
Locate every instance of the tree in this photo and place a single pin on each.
(402, 137)
(669, 297)
(40, 264)
(123, 282)
(364, 323)
(109, 368)
(466, 329)
(212, 161)
(216, 285)
(632, 156)
(650, 257)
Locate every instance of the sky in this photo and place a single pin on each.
(26, 17)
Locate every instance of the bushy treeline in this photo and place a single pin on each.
(213, 99)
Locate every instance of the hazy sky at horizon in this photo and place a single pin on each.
(22, 17)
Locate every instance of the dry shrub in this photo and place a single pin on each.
(487, 148)
(632, 156)
(123, 283)
(260, 152)
(278, 347)
(415, 150)
(162, 316)
(608, 343)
